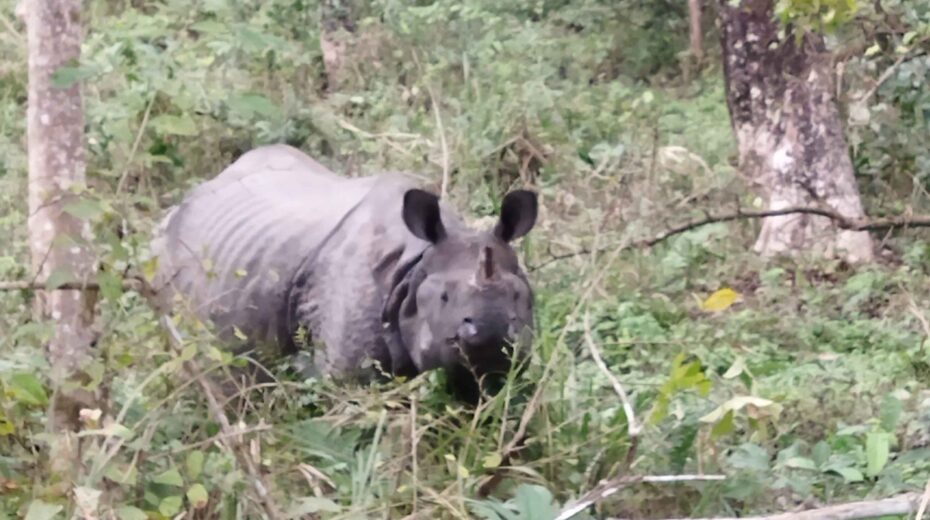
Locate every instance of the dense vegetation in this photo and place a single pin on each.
(804, 381)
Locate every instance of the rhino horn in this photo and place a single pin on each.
(486, 265)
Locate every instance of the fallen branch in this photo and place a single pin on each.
(612, 486)
(900, 505)
(842, 222)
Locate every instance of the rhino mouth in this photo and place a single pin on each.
(482, 360)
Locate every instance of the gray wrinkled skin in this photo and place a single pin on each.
(371, 269)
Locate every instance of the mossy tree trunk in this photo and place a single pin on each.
(789, 132)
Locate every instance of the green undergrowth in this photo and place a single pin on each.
(802, 381)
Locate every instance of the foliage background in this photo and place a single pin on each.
(596, 104)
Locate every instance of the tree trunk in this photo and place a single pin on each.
(789, 133)
(697, 35)
(55, 128)
(337, 26)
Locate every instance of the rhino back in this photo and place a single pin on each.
(234, 244)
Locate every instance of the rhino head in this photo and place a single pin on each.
(467, 306)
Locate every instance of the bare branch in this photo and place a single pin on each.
(633, 427)
(865, 224)
(135, 144)
(924, 500)
(230, 437)
(22, 285)
(610, 487)
(891, 70)
(444, 190)
(900, 505)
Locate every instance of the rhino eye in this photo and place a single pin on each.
(444, 297)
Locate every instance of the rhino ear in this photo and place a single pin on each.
(421, 215)
(518, 215)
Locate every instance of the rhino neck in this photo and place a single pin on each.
(396, 285)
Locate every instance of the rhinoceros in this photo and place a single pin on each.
(372, 275)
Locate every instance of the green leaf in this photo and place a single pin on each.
(737, 368)
(750, 456)
(800, 463)
(720, 300)
(6, 427)
(310, 505)
(535, 502)
(722, 427)
(239, 334)
(250, 104)
(39, 510)
(821, 453)
(86, 498)
(877, 451)
(58, 278)
(65, 77)
(170, 506)
(27, 389)
(130, 513)
(492, 461)
(175, 125)
(111, 287)
(210, 26)
(197, 496)
(84, 208)
(195, 464)
(755, 406)
(890, 413)
(170, 477)
(850, 475)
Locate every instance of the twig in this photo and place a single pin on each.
(444, 189)
(135, 144)
(863, 224)
(900, 505)
(518, 439)
(923, 502)
(22, 285)
(633, 427)
(890, 70)
(414, 438)
(17, 36)
(230, 435)
(610, 487)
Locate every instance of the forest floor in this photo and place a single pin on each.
(802, 381)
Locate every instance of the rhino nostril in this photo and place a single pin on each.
(467, 330)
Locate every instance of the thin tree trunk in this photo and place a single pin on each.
(789, 133)
(337, 26)
(55, 128)
(697, 35)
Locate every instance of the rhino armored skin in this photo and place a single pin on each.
(372, 269)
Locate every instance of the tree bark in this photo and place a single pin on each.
(789, 133)
(58, 239)
(697, 35)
